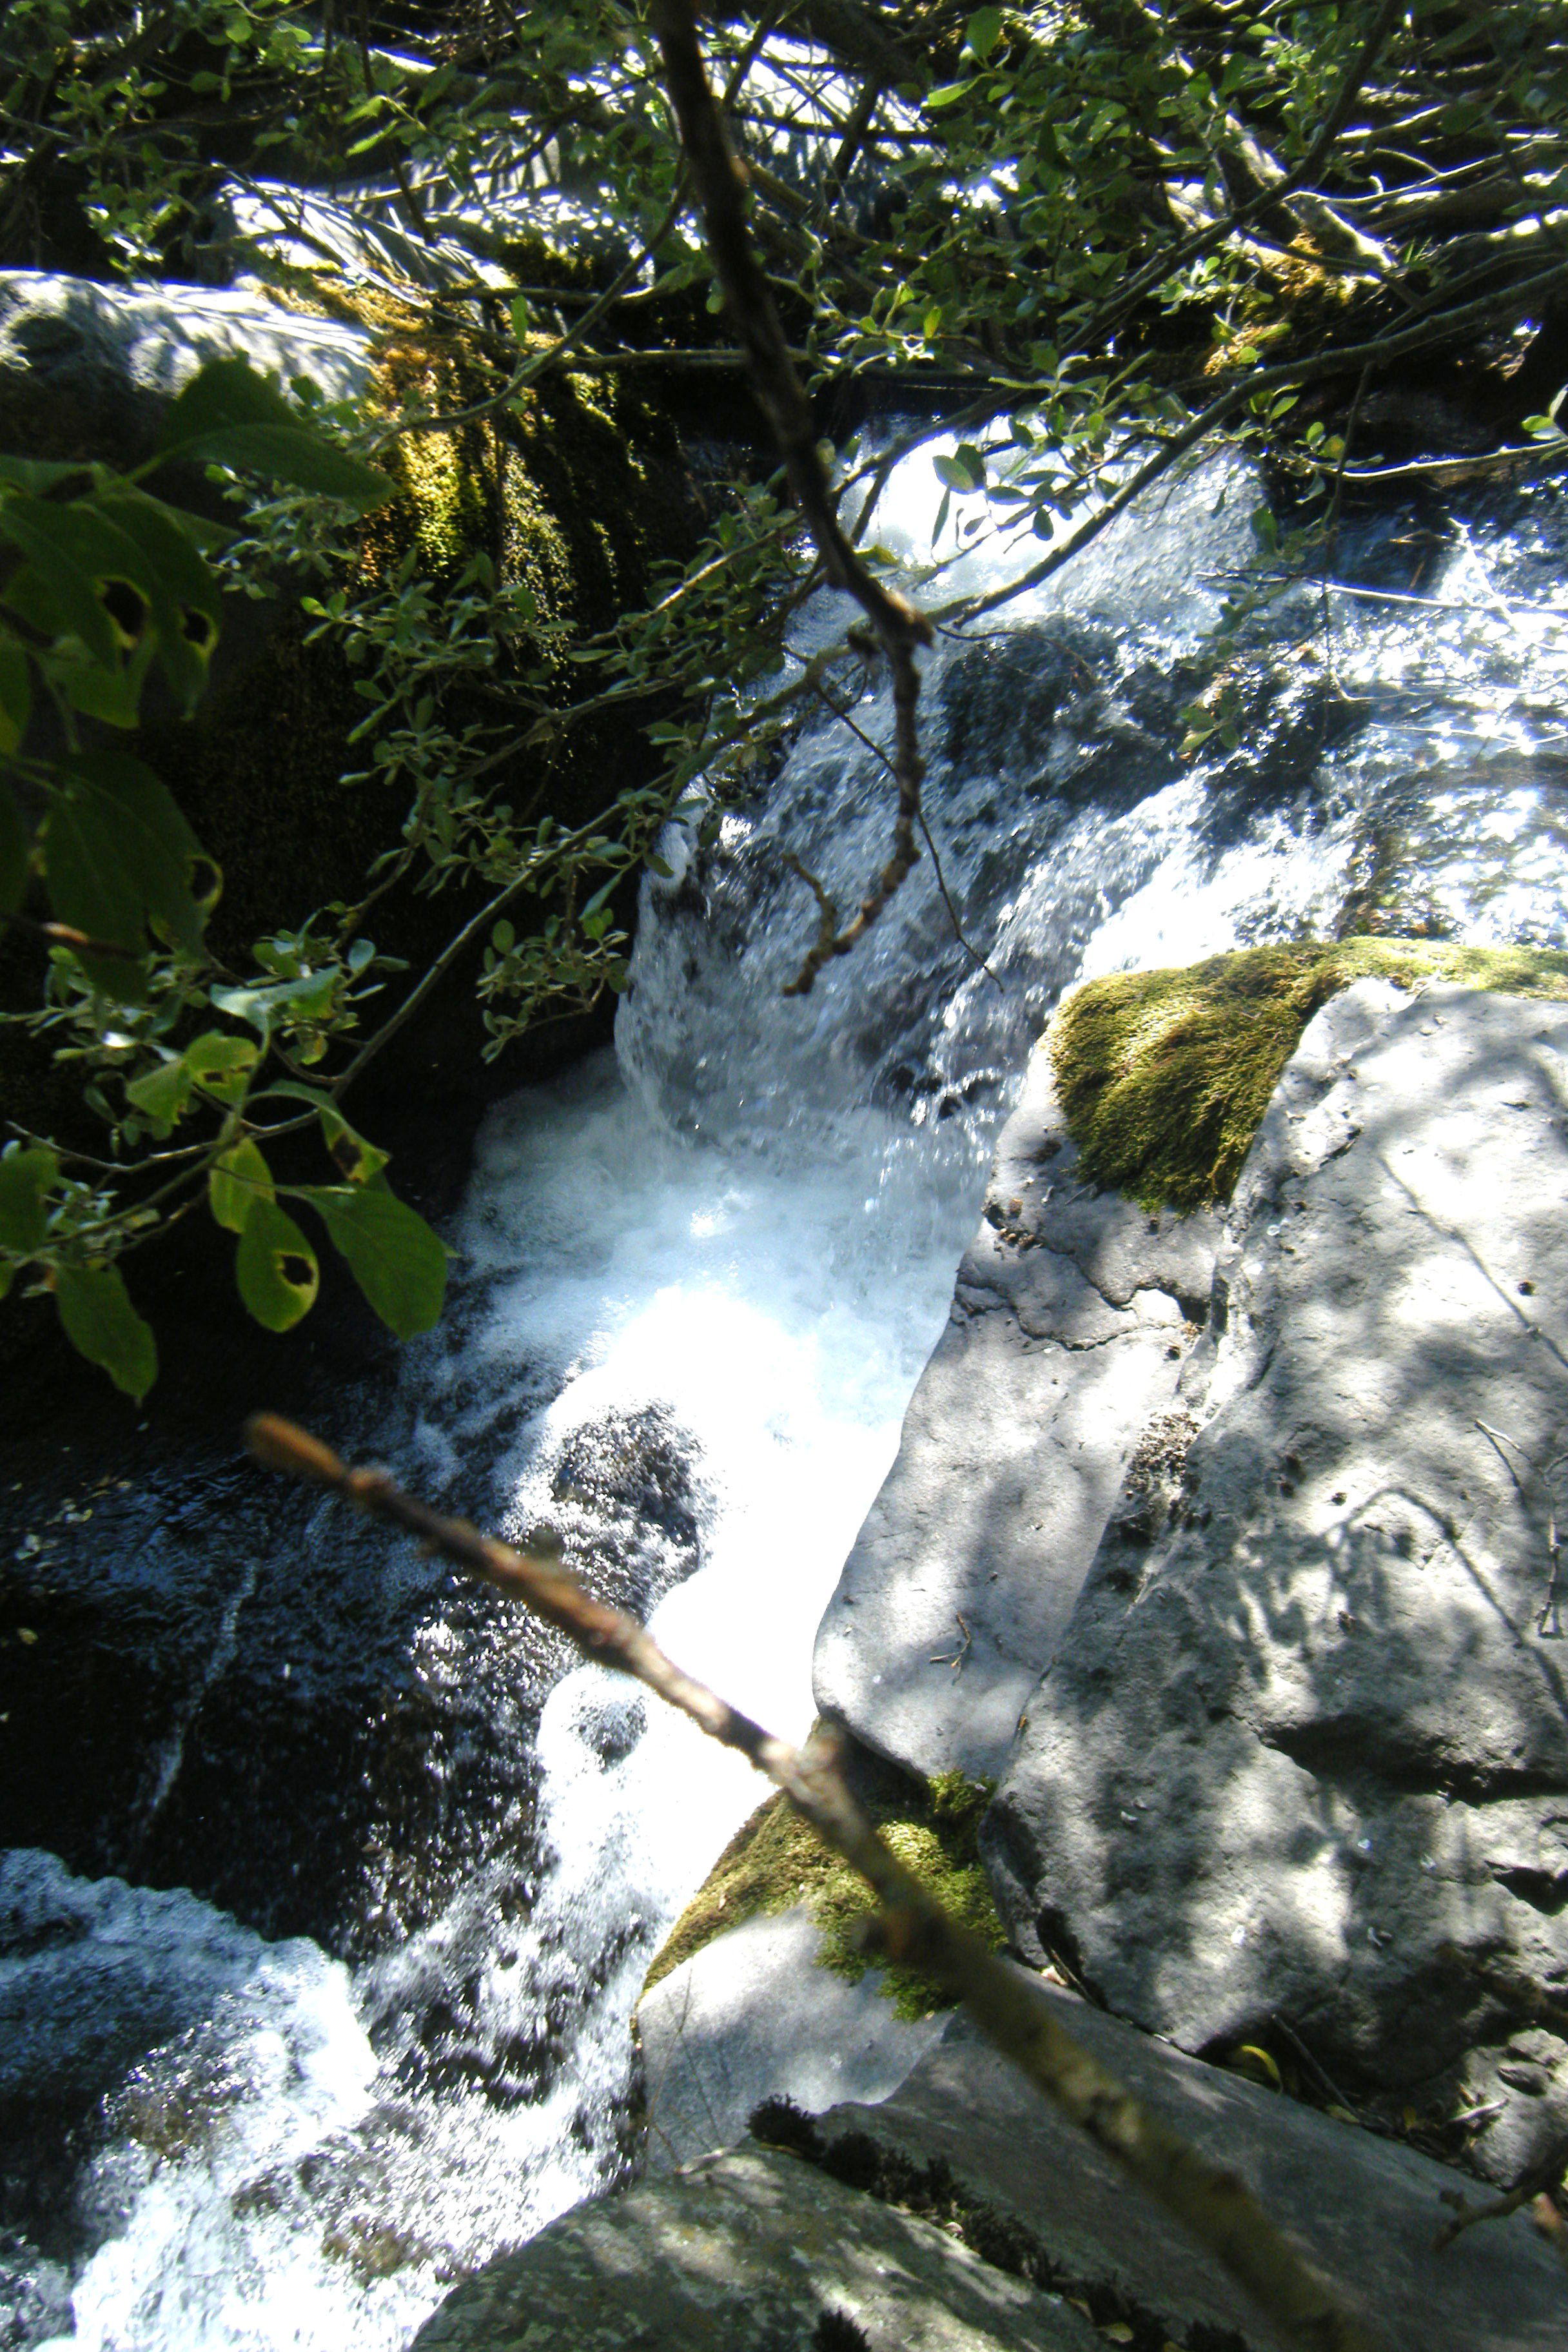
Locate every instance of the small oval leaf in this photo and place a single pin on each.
(276, 1267)
(102, 1325)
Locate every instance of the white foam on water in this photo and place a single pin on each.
(779, 1306)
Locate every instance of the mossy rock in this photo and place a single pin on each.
(579, 493)
(776, 1860)
(1164, 1075)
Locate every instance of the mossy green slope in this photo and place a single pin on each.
(1165, 1076)
(776, 1860)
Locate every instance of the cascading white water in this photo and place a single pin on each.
(698, 1283)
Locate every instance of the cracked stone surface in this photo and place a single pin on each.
(1303, 1750)
(1365, 2209)
(750, 2252)
(1068, 1328)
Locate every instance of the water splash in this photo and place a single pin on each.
(697, 1288)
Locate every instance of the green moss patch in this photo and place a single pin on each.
(776, 1860)
(1165, 1076)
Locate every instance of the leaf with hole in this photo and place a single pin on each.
(360, 1161)
(276, 1267)
(69, 580)
(221, 1065)
(102, 1325)
(180, 589)
(396, 1258)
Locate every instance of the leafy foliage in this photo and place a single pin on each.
(1075, 240)
(108, 577)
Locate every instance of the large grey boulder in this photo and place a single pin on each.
(752, 2252)
(1070, 1321)
(969, 2135)
(752, 2017)
(87, 369)
(1302, 1753)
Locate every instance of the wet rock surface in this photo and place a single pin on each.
(1072, 1315)
(1302, 1752)
(750, 2252)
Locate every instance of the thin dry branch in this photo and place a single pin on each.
(720, 179)
(913, 1928)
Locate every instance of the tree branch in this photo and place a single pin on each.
(913, 1927)
(720, 179)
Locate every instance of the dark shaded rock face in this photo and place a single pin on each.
(755, 2252)
(1302, 1753)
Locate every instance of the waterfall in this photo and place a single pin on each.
(698, 1281)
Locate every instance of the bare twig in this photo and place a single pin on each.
(1537, 2179)
(64, 935)
(913, 1928)
(720, 179)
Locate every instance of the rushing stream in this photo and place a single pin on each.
(698, 1280)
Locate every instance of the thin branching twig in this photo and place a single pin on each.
(720, 179)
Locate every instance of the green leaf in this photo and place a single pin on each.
(396, 1258)
(66, 570)
(276, 1267)
(237, 1181)
(964, 471)
(15, 849)
(948, 94)
(984, 31)
(119, 855)
(26, 1177)
(222, 1066)
(180, 589)
(165, 1094)
(102, 1325)
(308, 998)
(38, 474)
(360, 1161)
(230, 415)
(15, 694)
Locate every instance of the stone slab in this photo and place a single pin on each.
(749, 2251)
(1365, 2209)
(751, 2017)
(1303, 1750)
(1069, 1324)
